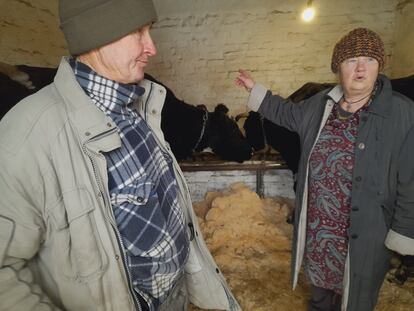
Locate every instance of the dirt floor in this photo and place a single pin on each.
(250, 241)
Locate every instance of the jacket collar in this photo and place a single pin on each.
(381, 104)
(151, 103)
(381, 101)
(336, 93)
(87, 119)
(110, 96)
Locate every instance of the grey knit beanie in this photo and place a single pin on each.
(90, 24)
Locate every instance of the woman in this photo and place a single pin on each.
(355, 195)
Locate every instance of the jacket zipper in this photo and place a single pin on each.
(124, 261)
(106, 203)
(194, 234)
(232, 303)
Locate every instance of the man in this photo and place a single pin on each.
(94, 211)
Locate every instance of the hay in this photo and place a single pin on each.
(251, 242)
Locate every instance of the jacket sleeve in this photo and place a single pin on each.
(277, 109)
(21, 231)
(400, 237)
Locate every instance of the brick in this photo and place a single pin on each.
(201, 46)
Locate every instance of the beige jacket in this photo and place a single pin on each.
(59, 244)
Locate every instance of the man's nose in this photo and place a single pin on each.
(150, 48)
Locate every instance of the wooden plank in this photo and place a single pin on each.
(230, 166)
(266, 173)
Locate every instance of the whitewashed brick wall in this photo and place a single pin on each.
(202, 43)
(403, 60)
(201, 46)
(29, 33)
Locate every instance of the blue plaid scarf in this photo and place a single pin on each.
(143, 191)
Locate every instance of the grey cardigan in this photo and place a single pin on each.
(382, 196)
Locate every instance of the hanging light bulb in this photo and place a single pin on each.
(309, 13)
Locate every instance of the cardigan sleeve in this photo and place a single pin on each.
(277, 109)
(400, 237)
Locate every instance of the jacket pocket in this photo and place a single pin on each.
(78, 250)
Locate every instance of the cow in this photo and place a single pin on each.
(190, 129)
(186, 128)
(18, 82)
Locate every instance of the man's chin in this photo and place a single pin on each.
(138, 78)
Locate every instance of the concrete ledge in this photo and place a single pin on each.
(267, 177)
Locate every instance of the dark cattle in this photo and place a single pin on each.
(261, 132)
(404, 86)
(186, 128)
(192, 128)
(17, 82)
(307, 90)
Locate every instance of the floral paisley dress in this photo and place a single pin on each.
(330, 183)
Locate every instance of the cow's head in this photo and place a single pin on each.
(254, 131)
(225, 138)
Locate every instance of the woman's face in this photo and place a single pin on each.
(357, 75)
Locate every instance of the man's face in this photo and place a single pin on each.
(358, 74)
(124, 60)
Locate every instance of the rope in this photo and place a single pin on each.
(205, 118)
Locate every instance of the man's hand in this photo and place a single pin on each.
(244, 80)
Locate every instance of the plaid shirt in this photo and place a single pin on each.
(143, 191)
